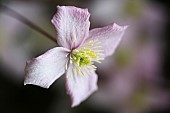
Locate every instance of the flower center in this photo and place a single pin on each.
(83, 57)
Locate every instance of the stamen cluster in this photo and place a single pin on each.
(85, 55)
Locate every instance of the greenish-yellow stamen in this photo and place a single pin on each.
(84, 56)
(81, 58)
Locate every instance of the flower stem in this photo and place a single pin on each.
(27, 22)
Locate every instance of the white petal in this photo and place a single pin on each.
(72, 25)
(80, 87)
(45, 69)
(108, 36)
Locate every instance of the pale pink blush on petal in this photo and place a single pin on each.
(72, 26)
(108, 36)
(79, 87)
(45, 69)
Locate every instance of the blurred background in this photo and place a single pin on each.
(136, 79)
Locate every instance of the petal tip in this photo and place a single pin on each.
(42, 86)
(52, 21)
(75, 102)
(25, 83)
(126, 26)
(58, 6)
(119, 28)
(74, 105)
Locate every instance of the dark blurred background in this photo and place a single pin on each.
(136, 79)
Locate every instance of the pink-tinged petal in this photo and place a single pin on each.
(72, 25)
(45, 69)
(80, 87)
(108, 36)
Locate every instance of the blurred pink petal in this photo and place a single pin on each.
(109, 36)
(72, 24)
(45, 69)
(80, 87)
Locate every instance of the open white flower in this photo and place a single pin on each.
(80, 48)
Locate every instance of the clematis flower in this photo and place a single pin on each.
(79, 49)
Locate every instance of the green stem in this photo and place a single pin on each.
(24, 20)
